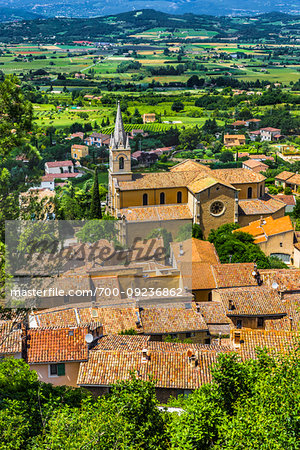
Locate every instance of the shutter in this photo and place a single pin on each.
(61, 369)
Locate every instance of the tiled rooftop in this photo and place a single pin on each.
(252, 301)
(156, 213)
(168, 364)
(268, 227)
(285, 175)
(287, 279)
(263, 206)
(10, 337)
(195, 250)
(238, 176)
(171, 318)
(234, 275)
(57, 345)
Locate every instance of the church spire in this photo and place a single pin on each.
(119, 136)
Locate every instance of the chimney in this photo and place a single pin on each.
(145, 355)
(291, 323)
(193, 358)
(231, 306)
(180, 250)
(236, 338)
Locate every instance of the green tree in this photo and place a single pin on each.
(95, 211)
(177, 106)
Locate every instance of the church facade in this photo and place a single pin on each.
(189, 193)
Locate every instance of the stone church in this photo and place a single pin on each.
(189, 193)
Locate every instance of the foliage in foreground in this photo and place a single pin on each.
(253, 404)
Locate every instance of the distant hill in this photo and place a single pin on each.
(93, 8)
(121, 26)
(15, 14)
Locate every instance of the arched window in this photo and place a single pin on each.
(162, 198)
(261, 191)
(145, 199)
(179, 197)
(249, 192)
(121, 163)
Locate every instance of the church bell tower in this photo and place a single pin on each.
(119, 159)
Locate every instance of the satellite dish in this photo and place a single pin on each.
(89, 338)
(254, 273)
(275, 285)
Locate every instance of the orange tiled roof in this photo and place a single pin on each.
(287, 279)
(198, 276)
(252, 301)
(190, 165)
(57, 345)
(234, 275)
(156, 213)
(295, 179)
(10, 337)
(238, 176)
(171, 318)
(195, 250)
(205, 181)
(252, 163)
(213, 312)
(158, 180)
(285, 175)
(260, 206)
(291, 321)
(262, 229)
(104, 368)
(278, 341)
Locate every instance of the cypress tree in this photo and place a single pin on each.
(95, 211)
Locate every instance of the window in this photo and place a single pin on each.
(239, 323)
(207, 341)
(260, 322)
(188, 335)
(121, 163)
(57, 370)
(280, 244)
(261, 191)
(179, 197)
(145, 199)
(217, 208)
(249, 195)
(162, 198)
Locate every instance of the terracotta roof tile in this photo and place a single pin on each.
(213, 312)
(10, 337)
(195, 250)
(168, 364)
(252, 301)
(238, 176)
(59, 163)
(156, 213)
(262, 229)
(278, 341)
(171, 318)
(57, 345)
(260, 206)
(287, 279)
(234, 275)
(285, 175)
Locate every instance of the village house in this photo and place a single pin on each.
(288, 200)
(254, 135)
(275, 237)
(79, 151)
(249, 307)
(234, 140)
(269, 134)
(56, 353)
(57, 167)
(48, 180)
(149, 118)
(97, 139)
(256, 166)
(288, 179)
